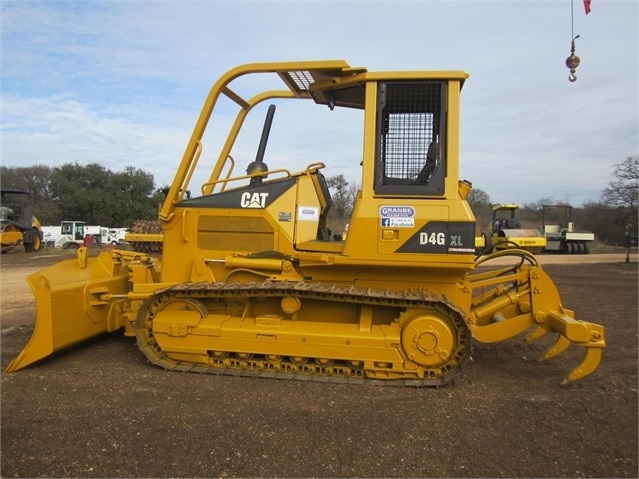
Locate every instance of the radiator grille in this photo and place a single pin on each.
(235, 233)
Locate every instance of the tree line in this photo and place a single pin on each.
(613, 218)
(89, 193)
(99, 196)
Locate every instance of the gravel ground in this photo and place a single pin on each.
(100, 410)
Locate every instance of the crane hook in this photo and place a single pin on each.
(572, 62)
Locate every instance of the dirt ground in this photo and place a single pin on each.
(100, 410)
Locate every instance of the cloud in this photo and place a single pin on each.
(122, 84)
(56, 131)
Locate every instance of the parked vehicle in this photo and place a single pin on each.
(506, 232)
(561, 235)
(73, 234)
(18, 224)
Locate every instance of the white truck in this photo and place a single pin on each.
(561, 237)
(118, 234)
(73, 234)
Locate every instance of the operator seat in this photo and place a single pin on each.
(432, 160)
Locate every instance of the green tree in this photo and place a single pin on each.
(96, 195)
(622, 194)
(80, 192)
(343, 194)
(479, 202)
(132, 192)
(623, 190)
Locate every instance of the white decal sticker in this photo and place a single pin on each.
(253, 200)
(461, 250)
(398, 222)
(397, 216)
(308, 213)
(396, 211)
(432, 238)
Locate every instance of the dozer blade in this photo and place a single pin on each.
(71, 305)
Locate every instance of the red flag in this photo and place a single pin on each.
(587, 6)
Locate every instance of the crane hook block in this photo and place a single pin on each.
(572, 62)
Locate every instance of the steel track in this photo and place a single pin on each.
(259, 366)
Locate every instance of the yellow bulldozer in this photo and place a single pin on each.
(250, 281)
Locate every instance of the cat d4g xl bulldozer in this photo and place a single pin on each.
(251, 282)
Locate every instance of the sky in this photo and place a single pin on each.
(122, 82)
